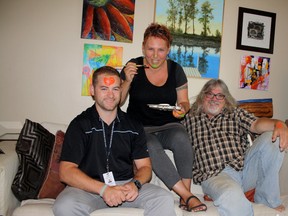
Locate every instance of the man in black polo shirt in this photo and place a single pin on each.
(100, 147)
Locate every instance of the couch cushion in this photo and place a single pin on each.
(43, 207)
(52, 185)
(34, 147)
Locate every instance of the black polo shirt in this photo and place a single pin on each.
(84, 144)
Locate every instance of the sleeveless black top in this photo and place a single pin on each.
(142, 92)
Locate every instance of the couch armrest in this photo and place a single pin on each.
(8, 168)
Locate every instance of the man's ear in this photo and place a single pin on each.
(91, 90)
(143, 53)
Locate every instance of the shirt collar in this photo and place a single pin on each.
(96, 114)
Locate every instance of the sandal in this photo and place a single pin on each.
(195, 207)
(182, 204)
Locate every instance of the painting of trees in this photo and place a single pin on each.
(194, 24)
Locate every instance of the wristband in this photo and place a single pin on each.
(103, 190)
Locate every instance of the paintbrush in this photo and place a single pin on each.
(138, 66)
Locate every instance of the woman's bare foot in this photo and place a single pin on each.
(196, 206)
(280, 208)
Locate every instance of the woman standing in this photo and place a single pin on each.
(154, 79)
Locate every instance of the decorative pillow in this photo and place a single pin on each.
(52, 185)
(34, 147)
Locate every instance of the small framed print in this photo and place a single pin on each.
(256, 30)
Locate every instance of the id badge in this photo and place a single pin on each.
(109, 179)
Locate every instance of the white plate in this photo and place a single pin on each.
(164, 107)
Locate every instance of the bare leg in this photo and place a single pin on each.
(187, 183)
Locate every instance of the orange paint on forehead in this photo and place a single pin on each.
(109, 80)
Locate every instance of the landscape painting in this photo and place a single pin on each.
(196, 27)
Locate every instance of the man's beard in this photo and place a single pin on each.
(214, 108)
(108, 106)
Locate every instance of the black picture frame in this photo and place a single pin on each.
(256, 30)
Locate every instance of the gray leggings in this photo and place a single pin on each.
(174, 137)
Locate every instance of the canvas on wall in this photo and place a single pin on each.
(196, 27)
(96, 56)
(255, 72)
(111, 20)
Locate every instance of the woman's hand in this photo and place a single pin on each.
(179, 113)
(130, 71)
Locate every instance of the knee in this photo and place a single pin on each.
(153, 144)
(266, 144)
(266, 138)
(230, 199)
(181, 140)
(60, 208)
(165, 199)
(57, 211)
(180, 134)
(64, 207)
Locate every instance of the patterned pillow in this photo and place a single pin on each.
(52, 185)
(34, 147)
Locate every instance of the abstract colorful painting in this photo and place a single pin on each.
(255, 72)
(111, 20)
(96, 56)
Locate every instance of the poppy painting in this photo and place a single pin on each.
(111, 20)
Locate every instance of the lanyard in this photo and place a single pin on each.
(105, 143)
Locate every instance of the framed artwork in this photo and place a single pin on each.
(96, 56)
(196, 28)
(255, 72)
(111, 20)
(256, 30)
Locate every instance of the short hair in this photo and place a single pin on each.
(104, 70)
(158, 30)
(230, 102)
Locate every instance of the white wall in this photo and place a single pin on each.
(41, 57)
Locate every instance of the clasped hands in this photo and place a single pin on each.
(116, 195)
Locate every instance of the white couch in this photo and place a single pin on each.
(43, 207)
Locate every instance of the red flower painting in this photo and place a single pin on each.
(108, 20)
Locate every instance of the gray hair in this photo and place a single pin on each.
(230, 102)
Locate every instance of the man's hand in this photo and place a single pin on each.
(131, 191)
(281, 131)
(114, 195)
